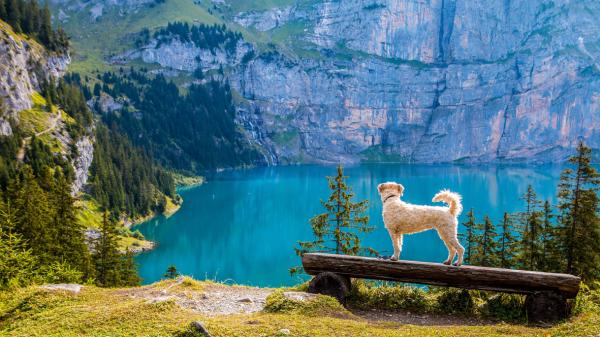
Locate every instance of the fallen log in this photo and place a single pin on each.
(546, 292)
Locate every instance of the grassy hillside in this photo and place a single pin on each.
(111, 34)
(156, 310)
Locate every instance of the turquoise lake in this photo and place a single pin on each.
(242, 225)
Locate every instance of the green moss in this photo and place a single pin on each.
(320, 305)
(285, 138)
(377, 154)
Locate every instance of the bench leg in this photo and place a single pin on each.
(331, 284)
(546, 306)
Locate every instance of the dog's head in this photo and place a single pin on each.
(390, 188)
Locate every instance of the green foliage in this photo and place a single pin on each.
(506, 244)
(17, 262)
(508, 307)
(579, 230)
(338, 229)
(188, 132)
(26, 16)
(458, 301)
(319, 305)
(59, 272)
(203, 36)
(171, 272)
(123, 177)
(489, 246)
(530, 229)
(368, 295)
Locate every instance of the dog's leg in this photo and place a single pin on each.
(448, 243)
(397, 247)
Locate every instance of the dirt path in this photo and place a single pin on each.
(25, 142)
(217, 299)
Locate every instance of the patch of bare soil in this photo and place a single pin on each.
(408, 317)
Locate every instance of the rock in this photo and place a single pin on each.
(246, 300)
(72, 288)
(199, 327)
(285, 332)
(82, 163)
(299, 296)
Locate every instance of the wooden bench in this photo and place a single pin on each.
(547, 293)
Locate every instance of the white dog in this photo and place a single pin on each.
(401, 218)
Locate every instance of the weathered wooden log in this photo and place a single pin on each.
(468, 277)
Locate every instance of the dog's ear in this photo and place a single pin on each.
(380, 188)
(400, 189)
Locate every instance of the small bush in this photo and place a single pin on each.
(138, 235)
(320, 305)
(453, 300)
(59, 272)
(507, 307)
(588, 299)
(368, 295)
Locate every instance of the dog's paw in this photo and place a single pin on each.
(456, 264)
(446, 263)
(393, 258)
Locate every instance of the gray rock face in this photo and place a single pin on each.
(82, 163)
(435, 81)
(23, 66)
(416, 80)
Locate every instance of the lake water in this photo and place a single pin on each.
(242, 226)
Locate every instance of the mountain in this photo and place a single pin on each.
(375, 80)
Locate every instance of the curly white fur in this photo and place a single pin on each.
(402, 218)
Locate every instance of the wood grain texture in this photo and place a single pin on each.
(469, 277)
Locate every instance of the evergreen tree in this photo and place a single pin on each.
(171, 272)
(13, 14)
(3, 15)
(506, 249)
(106, 256)
(531, 228)
(69, 232)
(46, 32)
(34, 215)
(129, 272)
(470, 236)
(489, 246)
(337, 230)
(550, 256)
(579, 222)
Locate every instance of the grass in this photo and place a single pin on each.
(88, 212)
(111, 312)
(95, 42)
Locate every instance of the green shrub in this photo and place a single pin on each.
(319, 305)
(59, 272)
(369, 295)
(507, 307)
(451, 300)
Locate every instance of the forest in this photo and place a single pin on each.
(30, 18)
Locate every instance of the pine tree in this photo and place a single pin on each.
(70, 237)
(46, 33)
(550, 254)
(171, 272)
(17, 263)
(106, 255)
(3, 15)
(13, 15)
(489, 246)
(129, 272)
(34, 215)
(506, 251)
(337, 230)
(579, 222)
(531, 228)
(470, 236)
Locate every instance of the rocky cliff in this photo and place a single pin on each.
(409, 80)
(24, 66)
(435, 81)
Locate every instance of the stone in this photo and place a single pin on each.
(246, 300)
(71, 288)
(299, 296)
(200, 328)
(285, 332)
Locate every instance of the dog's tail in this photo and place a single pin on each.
(452, 199)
